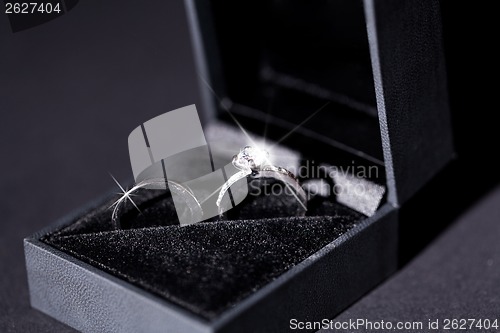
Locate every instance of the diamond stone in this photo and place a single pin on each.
(250, 158)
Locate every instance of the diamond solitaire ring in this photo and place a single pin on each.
(254, 163)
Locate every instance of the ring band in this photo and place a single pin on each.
(255, 163)
(191, 202)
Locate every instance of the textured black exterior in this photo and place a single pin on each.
(90, 300)
(410, 83)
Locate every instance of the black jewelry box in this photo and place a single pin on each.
(374, 70)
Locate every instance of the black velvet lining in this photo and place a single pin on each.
(206, 267)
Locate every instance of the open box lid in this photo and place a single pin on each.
(378, 65)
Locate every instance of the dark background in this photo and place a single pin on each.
(72, 89)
